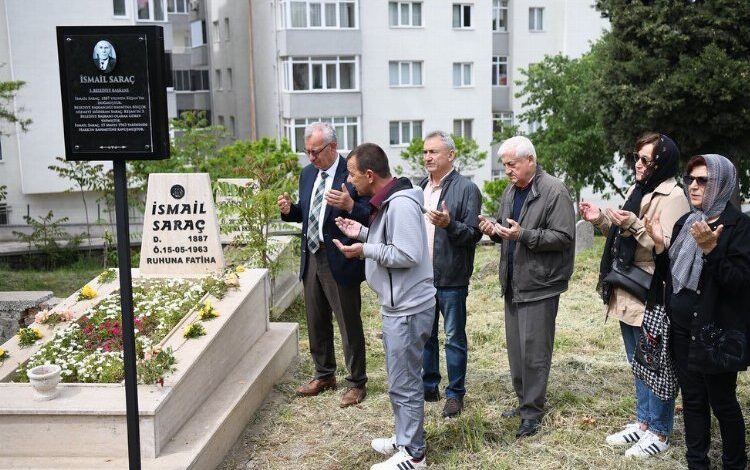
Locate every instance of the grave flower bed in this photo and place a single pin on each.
(89, 350)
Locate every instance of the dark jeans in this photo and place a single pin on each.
(702, 393)
(452, 302)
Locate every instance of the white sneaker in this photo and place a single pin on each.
(401, 460)
(629, 435)
(648, 446)
(385, 445)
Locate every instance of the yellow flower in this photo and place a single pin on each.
(37, 333)
(2, 353)
(240, 269)
(88, 292)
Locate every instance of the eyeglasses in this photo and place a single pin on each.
(644, 161)
(315, 153)
(687, 180)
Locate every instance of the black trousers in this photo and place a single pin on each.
(324, 297)
(701, 394)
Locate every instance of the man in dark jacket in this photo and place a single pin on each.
(453, 205)
(537, 231)
(331, 282)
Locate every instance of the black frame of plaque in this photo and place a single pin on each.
(157, 93)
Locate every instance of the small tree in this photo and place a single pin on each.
(46, 233)
(468, 156)
(8, 91)
(86, 176)
(249, 211)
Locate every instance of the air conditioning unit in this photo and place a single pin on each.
(194, 4)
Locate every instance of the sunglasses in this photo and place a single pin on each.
(644, 160)
(687, 180)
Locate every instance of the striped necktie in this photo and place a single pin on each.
(313, 224)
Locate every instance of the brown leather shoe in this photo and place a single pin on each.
(353, 396)
(316, 386)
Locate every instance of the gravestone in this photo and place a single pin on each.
(584, 236)
(180, 229)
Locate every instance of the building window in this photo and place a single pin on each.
(405, 73)
(461, 16)
(499, 70)
(402, 132)
(229, 79)
(216, 33)
(197, 38)
(536, 19)
(462, 74)
(221, 121)
(217, 79)
(1, 152)
(332, 14)
(4, 211)
(151, 10)
(118, 8)
(501, 120)
(232, 126)
(534, 126)
(499, 16)
(321, 74)
(347, 132)
(177, 6)
(199, 80)
(405, 14)
(462, 128)
(226, 29)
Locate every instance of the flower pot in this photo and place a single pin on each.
(44, 379)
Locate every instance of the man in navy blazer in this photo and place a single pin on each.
(331, 281)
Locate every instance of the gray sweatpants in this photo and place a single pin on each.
(403, 340)
(530, 335)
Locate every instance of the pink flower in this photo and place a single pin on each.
(66, 315)
(41, 316)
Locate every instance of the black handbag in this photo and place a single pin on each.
(632, 279)
(724, 350)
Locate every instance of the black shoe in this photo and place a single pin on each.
(432, 395)
(453, 407)
(511, 413)
(528, 427)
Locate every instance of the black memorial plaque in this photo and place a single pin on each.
(113, 92)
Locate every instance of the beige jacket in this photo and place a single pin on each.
(669, 202)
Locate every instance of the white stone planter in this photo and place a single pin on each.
(44, 379)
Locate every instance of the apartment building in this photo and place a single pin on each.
(388, 71)
(28, 52)
(380, 71)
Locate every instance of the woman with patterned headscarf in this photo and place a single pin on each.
(704, 280)
(656, 160)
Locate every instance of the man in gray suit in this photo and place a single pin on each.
(536, 228)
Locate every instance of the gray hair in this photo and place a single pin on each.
(329, 133)
(520, 146)
(444, 137)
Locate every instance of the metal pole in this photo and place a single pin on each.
(126, 301)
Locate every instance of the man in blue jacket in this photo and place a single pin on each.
(453, 206)
(331, 282)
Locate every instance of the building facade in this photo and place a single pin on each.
(379, 71)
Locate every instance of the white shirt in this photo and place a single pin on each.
(329, 183)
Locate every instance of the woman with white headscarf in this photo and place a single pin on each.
(704, 282)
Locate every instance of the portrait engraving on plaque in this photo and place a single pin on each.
(105, 56)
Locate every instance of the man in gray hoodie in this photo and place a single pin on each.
(398, 268)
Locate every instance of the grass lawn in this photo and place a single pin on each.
(590, 395)
(62, 281)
